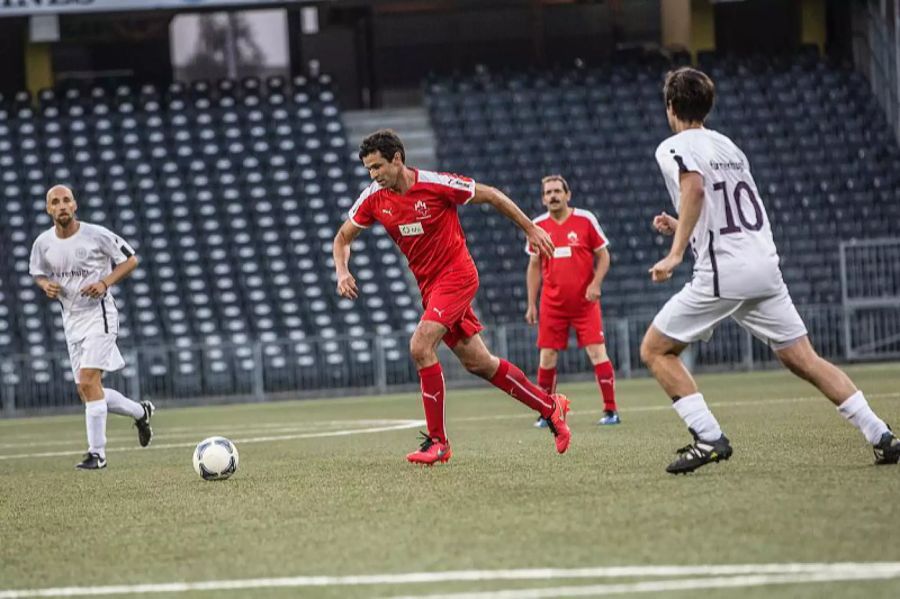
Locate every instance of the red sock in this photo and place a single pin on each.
(547, 379)
(431, 379)
(606, 379)
(513, 381)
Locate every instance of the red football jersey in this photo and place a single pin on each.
(423, 222)
(567, 275)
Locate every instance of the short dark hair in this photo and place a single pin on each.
(550, 178)
(385, 141)
(691, 94)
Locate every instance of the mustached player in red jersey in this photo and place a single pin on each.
(570, 295)
(419, 211)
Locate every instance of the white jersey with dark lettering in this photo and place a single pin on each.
(734, 253)
(75, 262)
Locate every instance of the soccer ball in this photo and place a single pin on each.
(215, 458)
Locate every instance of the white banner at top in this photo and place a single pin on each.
(10, 8)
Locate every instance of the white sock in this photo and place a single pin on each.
(95, 419)
(696, 415)
(856, 409)
(119, 404)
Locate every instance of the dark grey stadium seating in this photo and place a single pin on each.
(819, 147)
(231, 194)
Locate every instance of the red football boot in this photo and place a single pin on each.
(431, 451)
(557, 422)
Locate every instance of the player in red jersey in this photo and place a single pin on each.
(419, 211)
(571, 291)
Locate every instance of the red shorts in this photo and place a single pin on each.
(553, 328)
(449, 302)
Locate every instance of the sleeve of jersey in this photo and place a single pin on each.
(36, 266)
(599, 238)
(459, 189)
(116, 248)
(360, 214)
(683, 156)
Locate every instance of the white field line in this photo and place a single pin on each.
(398, 425)
(668, 406)
(739, 575)
(225, 430)
(672, 585)
(266, 426)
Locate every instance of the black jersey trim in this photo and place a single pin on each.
(103, 309)
(715, 267)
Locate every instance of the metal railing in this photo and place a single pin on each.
(870, 285)
(318, 367)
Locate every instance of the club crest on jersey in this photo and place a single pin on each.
(421, 209)
(81, 253)
(573, 237)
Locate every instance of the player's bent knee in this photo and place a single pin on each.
(549, 358)
(799, 357)
(800, 369)
(478, 367)
(482, 364)
(89, 390)
(420, 352)
(597, 353)
(648, 353)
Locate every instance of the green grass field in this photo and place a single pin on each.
(323, 489)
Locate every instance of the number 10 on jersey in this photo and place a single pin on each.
(741, 190)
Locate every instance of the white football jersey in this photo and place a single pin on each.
(75, 262)
(734, 253)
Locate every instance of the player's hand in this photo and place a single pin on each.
(540, 240)
(95, 290)
(346, 286)
(531, 315)
(51, 289)
(665, 223)
(592, 293)
(662, 270)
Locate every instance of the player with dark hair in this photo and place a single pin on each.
(418, 209)
(77, 263)
(570, 294)
(736, 274)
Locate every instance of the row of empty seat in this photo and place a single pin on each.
(231, 194)
(822, 155)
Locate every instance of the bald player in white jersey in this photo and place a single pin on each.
(736, 274)
(73, 263)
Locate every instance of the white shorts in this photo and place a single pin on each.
(96, 351)
(693, 316)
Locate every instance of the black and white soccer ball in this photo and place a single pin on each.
(215, 458)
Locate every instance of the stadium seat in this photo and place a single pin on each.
(230, 191)
(798, 118)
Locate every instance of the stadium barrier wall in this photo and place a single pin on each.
(266, 371)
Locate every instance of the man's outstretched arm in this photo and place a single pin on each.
(537, 237)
